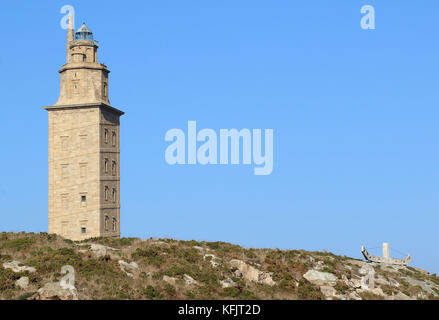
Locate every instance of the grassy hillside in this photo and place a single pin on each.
(170, 269)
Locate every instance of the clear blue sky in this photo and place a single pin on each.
(354, 112)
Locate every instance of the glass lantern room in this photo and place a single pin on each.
(83, 33)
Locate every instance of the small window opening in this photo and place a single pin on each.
(107, 220)
(113, 168)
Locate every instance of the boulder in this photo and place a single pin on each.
(159, 243)
(189, 280)
(249, 273)
(213, 259)
(22, 283)
(128, 268)
(99, 250)
(227, 283)
(15, 266)
(170, 280)
(354, 296)
(53, 291)
(352, 283)
(375, 291)
(320, 278)
(401, 296)
(394, 283)
(319, 266)
(328, 291)
(422, 284)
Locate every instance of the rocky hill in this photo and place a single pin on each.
(32, 266)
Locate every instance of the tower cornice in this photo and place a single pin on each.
(84, 65)
(84, 106)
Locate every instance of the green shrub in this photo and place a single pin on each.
(51, 261)
(18, 244)
(170, 290)
(7, 279)
(152, 293)
(151, 255)
(189, 294)
(306, 291)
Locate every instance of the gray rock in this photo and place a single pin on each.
(319, 266)
(99, 250)
(422, 284)
(213, 259)
(128, 268)
(250, 273)
(189, 280)
(227, 283)
(394, 283)
(170, 280)
(53, 291)
(352, 283)
(354, 296)
(401, 296)
(376, 291)
(328, 291)
(15, 266)
(320, 278)
(22, 283)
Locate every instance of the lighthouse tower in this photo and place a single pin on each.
(84, 149)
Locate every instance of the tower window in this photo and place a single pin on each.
(113, 168)
(83, 200)
(114, 139)
(114, 224)
(105, 90)
(107, 221)
(106, 135)
(106, 165)
(83, 230)
(107, 190)
(114, 194)
(75, 87)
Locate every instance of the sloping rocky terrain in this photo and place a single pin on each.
(42, 266)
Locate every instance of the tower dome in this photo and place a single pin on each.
(83, 33)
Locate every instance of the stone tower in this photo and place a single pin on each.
(84, 150)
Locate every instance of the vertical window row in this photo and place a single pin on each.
(113, 137)
(107, 194)
(107, 222)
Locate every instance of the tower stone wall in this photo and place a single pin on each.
(84, 147)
